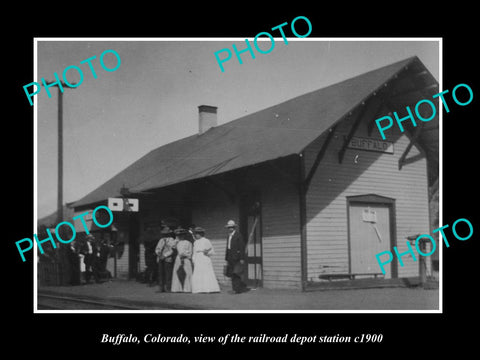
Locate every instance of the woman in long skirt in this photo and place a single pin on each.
(183, 259)
(203, 278)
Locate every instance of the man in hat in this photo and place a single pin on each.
(235, 257)
(87, 252)
(74, 262)
(97, 260)
(166, 253)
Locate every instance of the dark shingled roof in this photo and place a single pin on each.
(275, 132)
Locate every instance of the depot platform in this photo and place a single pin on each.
(135, 295)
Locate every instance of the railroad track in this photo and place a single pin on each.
(56, 302)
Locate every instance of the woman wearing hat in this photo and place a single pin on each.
(203, 278)
(182, 269)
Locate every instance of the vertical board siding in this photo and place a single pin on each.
(374, 173)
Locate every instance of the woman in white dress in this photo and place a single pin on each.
(203, 278)
(184, 259)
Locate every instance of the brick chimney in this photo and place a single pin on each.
(207, 117)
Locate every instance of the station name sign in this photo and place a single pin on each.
(369, 144)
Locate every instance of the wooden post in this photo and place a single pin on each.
(423, 264)
(114, 238)
(115, 263)
(318, 158)
(303, 220)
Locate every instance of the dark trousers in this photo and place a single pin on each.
(151, 272)
(237, 283)
(91, 269)
(165, 271)
(74, 270)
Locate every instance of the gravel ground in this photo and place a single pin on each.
(144, 297)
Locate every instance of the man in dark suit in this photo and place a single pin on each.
(88, 250)
(235, 258)
(74, 262)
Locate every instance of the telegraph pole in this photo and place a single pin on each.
(60, 158)
(60, 150)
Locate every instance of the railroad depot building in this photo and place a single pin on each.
(316, 191)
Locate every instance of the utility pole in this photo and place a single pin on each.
(60, 149)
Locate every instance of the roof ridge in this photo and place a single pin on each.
(339, 83)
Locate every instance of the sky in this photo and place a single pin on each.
(153, 97)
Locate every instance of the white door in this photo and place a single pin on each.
(369, 235)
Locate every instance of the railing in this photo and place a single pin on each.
(49, 274)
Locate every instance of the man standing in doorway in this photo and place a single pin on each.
(235, 258)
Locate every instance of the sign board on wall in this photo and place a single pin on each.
(120, 204)
(369, 215)
(369, 144)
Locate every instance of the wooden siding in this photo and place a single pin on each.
(212, 212)
(374, 172)
(280, 226)
(281, 236)
(122, 261)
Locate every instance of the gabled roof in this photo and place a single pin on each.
(275, 132)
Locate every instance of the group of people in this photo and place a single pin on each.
(180, 261)
(88, 258)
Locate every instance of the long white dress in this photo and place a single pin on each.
(184, 250)
(203, 278)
